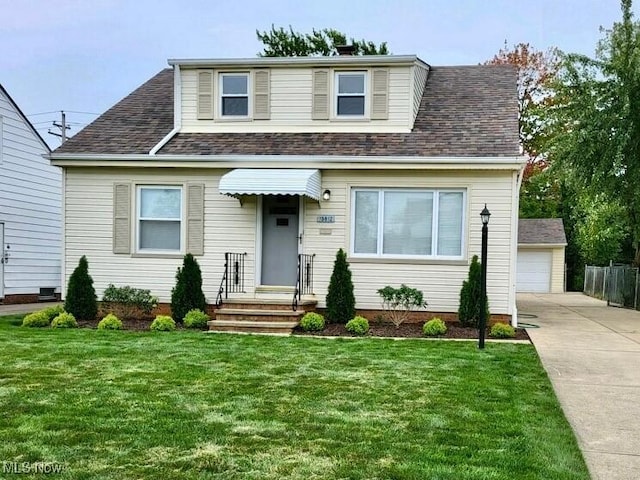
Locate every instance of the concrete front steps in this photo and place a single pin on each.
(259, 315)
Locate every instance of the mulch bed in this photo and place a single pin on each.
(405, 330)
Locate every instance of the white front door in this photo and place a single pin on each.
(2, 247)
(280, 237)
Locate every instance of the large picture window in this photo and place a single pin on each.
(350, 94)
(234, 94)
(408, 223)
(159, 211)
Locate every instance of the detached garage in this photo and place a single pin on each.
(541, 244)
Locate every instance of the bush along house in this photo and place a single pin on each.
(264, 168)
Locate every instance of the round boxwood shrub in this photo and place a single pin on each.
(110, 322)
(53, 311)
(502, 330)
(64, 320)
(36, 319)
(358, 325)
(312, 322)
(163, 323)
(195, 318)
(434, 327)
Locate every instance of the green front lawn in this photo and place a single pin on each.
(127, 405)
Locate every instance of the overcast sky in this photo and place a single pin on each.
(85, 55)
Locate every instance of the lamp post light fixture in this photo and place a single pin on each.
(484, 215)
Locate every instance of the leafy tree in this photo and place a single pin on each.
(187, 294)
(81, 296)
(279, 42)
(471, 296)
(341, 302)
(597, 120)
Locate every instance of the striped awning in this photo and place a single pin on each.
(270, 181)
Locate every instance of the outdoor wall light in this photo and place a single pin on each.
(326, 195)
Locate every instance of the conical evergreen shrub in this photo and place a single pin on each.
(470, 296)
(341, 303)
(187, 294)
(81, 296)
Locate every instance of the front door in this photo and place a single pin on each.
(2, 260)
(280, 230)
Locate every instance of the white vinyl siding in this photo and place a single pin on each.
(419, 83)
(228, 226)
(291, 99)
(30, 207)
(396, 223)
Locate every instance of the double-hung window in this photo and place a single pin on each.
(350, 94)
(159, 218)
(234, 94)
(412, 223)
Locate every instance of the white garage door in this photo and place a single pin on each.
(534, 271)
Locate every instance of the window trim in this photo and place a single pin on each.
(138, 219)
(364, 94)
(434, 224)
(222, 95)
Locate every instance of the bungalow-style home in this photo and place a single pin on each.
(30, 211)
(541, 265)
(263, 168)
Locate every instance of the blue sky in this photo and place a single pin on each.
(85, 55)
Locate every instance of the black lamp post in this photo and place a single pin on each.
(484, 215)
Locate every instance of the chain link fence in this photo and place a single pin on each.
(619, 285)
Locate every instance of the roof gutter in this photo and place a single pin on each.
(177, 109)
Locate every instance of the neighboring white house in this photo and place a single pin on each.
(283, 161)
(30, 211)
(541, 263)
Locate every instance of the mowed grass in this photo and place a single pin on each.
(127, 405)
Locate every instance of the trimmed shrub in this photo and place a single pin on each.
(398, 302)
(312, 322)
(502, 330)
(358, 325)
(470, 296)
(53, 311)
(36, 319)
(127, 301)
(64, 320)
(187, 294)
(163, 323)
(81, 296)
(196, 319)
(341, 303)
(110, 322)
(434, 327)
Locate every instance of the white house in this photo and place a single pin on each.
(264, 167)
(30, 211)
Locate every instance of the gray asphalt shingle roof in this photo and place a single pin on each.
(465, 111)
(541, 231)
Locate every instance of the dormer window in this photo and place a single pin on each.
(234, 94)
(350, 94)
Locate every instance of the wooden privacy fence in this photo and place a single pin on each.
(619, 285)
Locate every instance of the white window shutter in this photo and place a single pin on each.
(261, 91)
(205, 94)
(320, 101)
(195, 218)
(122, 218)
(380, 94)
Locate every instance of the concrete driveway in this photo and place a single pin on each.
(591, 353)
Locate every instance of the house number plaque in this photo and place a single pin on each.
(326, 219)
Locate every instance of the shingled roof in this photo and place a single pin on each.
(467, 111)
(540, 231)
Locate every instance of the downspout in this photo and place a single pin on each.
(177, 111)
(514, 243)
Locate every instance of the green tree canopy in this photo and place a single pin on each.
(279, 42)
